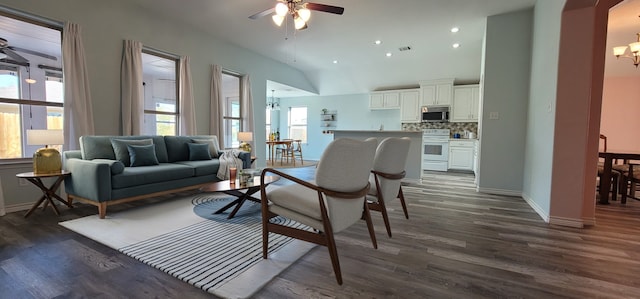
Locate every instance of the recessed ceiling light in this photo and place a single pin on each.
(455, 29)
(456, 45)
(377, 42)
(335, 61)
(388, 54)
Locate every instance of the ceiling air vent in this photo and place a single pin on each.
(405, 48)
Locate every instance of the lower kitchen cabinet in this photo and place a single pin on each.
(462, 154)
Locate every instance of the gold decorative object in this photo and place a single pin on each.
(46, 160)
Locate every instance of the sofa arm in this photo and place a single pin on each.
(89, 179)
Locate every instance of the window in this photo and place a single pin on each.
(268, 124)
(231, 114)
(159, 73)
(298, 123)
(31, 86)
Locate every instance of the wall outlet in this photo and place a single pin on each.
(494, 115)
(23, 182)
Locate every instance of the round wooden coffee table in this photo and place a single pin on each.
(234, 188)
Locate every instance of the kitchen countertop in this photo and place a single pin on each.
(378, 131)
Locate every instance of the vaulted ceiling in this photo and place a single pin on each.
(362, 66)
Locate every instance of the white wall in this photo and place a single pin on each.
(505, 91)
(105, 24)
(542, 103)
(353, 114)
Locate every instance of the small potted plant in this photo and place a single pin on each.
(324, 110)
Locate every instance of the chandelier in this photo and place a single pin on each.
(299, 12)
(273, 103)
(634, 49)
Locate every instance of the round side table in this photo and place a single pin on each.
(47, 193)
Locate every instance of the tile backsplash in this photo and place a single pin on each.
(454, 127)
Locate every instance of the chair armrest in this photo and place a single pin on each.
(89, 179)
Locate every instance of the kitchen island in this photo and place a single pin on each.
(414, 159)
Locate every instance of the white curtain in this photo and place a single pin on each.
(131, 89)
(187, 106)
(78, 112)
(246, 102)
(216, 106)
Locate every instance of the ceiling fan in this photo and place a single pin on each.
(299, 11)
(10, 52)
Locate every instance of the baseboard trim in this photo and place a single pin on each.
(570, 222)
(499, 191)
(18, 207)
(589, 221)
(541, 212)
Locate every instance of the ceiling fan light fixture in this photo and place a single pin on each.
(278, 20)
(305, 14)
(281, 9)
(298, 22)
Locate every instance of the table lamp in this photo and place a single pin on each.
(47, 159)
(245, 137)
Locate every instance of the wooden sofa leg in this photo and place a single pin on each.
(102, 209)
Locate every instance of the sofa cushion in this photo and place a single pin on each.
(177, 147)
(122, 152)
(142, 155)
(203, 167)
(99, 147)
(214, 149)
(199, 151)
(116, 166)
(136, 176)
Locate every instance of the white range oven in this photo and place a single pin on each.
(435, 149)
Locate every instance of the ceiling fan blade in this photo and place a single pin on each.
(325, 8)
(263, 13)
(14, 56)
(32, 52)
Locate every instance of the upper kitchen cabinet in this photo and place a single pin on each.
(436, 92)
(410, 106)
(466, 103)
(389, 99)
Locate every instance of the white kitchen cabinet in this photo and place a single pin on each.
(466, 102)
(410, 106)
(436, 92)
(461, 154)
(384, 100)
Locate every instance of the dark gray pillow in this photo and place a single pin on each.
(142, 155)
(213, 146)
(199, 151)
(121, 151)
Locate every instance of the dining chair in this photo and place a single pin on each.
(629, 180)
(330, 203)
(282, 149)
(386, 176)
(615, 174)
(295, 150)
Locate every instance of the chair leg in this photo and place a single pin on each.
(385, 216)
(404, 205)
(614, 191)
(265, 235)
(623, 192)
(366, 214)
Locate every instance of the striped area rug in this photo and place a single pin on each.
(183, 238)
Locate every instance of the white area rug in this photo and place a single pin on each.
(183, 238)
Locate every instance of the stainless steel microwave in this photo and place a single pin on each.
(435, 113)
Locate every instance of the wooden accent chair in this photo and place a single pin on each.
(334, 201)
(388, 171)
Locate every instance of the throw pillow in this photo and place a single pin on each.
(199, 151)
(142, 155)
(213, 146)
(121, 151)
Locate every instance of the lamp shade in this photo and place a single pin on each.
(245, 136)
(45, 137)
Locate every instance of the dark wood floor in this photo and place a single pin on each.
(456, 244)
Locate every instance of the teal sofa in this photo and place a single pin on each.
(110, 170)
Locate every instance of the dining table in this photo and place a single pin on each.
(609, 156)
(272, 147)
